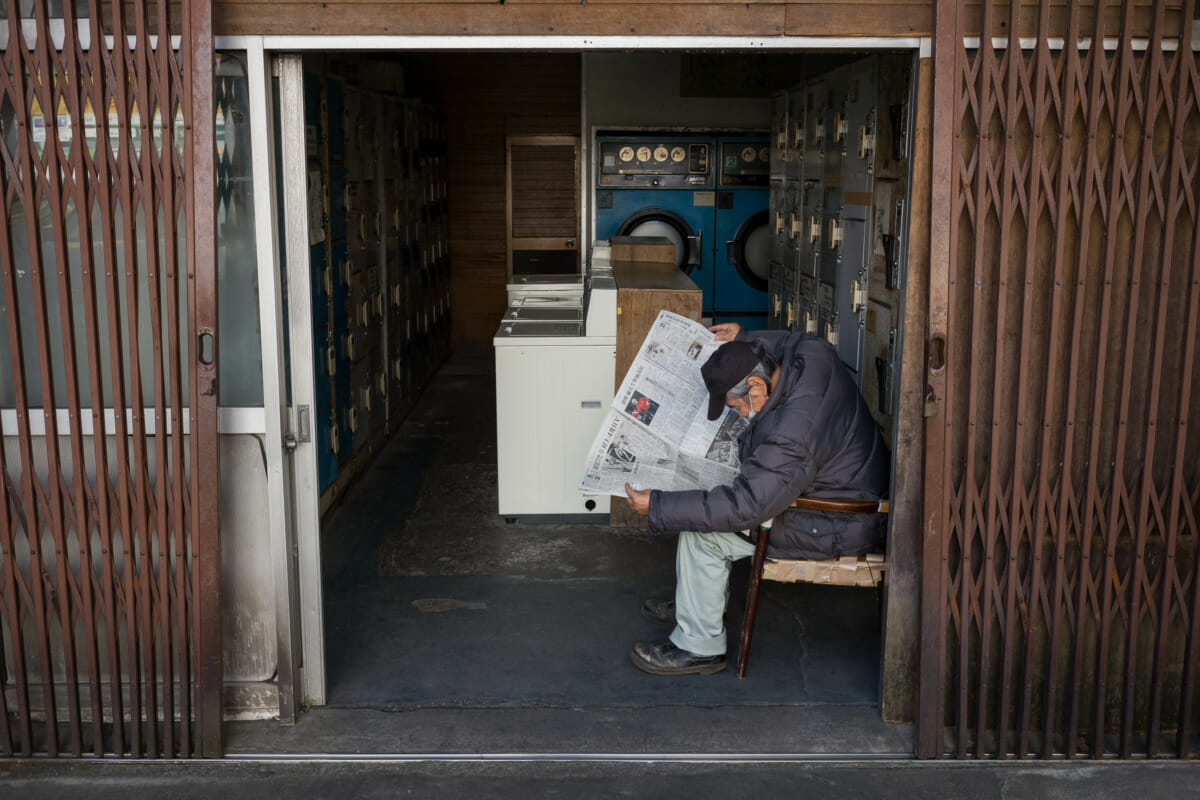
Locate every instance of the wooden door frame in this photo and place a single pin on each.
(198, 69)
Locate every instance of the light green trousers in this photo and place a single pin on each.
(702, 563)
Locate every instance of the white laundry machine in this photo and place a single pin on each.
(554, 384)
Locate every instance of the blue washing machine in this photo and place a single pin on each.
(661, 186)
(742, 242)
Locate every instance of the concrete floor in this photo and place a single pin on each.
(472, 659)
(448, 630)
(601, 779)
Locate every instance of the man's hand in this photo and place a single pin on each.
(726, 331)
(639, 500)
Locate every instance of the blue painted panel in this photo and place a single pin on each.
(346, 436)
(320, 300)
(749, 321)
(327, 461)
(733, 292)
(312, 107)
(335, 92)
(627, 202)
(341, 290)
(695, 205)
(743, 179)
(337, 202)
(323, 384)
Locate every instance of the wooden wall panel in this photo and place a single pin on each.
(440, 18)
(645, 288)
(481, 98)
(623, 18)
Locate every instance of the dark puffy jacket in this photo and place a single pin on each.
(814, 436)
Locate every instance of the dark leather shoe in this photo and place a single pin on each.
(659, 611)
(667, 659)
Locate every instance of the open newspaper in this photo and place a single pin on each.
(657, 434)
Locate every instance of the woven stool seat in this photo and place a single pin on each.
(865, 570)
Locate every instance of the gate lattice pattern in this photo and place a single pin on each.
(107, 559)
(1070, 487)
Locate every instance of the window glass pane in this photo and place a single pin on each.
(240, 352)
(240, 356)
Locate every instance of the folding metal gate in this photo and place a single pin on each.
(1061, 605)
(109, 593)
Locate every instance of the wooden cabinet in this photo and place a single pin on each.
(643, 289)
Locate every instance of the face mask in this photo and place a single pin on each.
(753, 413)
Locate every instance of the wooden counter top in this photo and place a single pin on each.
(651, 275)
(643, 289)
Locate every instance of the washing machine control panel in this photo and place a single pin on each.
(654, 163)
(745, 163)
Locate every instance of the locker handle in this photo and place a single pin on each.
(835, 232)
(858, 296)
(866, 142)
(590, 404)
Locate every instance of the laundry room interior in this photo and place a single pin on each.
(464, 210)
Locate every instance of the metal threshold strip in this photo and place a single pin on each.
(681, 758)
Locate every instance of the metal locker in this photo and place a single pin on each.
(775, 283)
(794, 159)
(780, 135)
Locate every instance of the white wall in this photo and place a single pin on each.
(636, 91)
(641, 90)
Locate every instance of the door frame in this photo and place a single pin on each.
(301, 534)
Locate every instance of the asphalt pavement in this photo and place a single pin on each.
(599, 777)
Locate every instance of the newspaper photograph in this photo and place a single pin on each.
(657, 433)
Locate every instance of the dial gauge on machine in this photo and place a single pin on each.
(678, 154)
(660, 153)
(643, 153)
(764, 154)
(626, 153)
(748, 153)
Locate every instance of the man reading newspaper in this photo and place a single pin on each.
(809, 433)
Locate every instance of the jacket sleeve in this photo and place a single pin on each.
(772, 341)
(776, 473)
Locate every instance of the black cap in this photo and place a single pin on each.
(726, 368)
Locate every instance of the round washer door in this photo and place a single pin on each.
(667, 224)
(750, 251)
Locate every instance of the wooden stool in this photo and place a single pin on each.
(864, 570)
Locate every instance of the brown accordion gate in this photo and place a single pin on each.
(1061, 605)
(109, 594)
